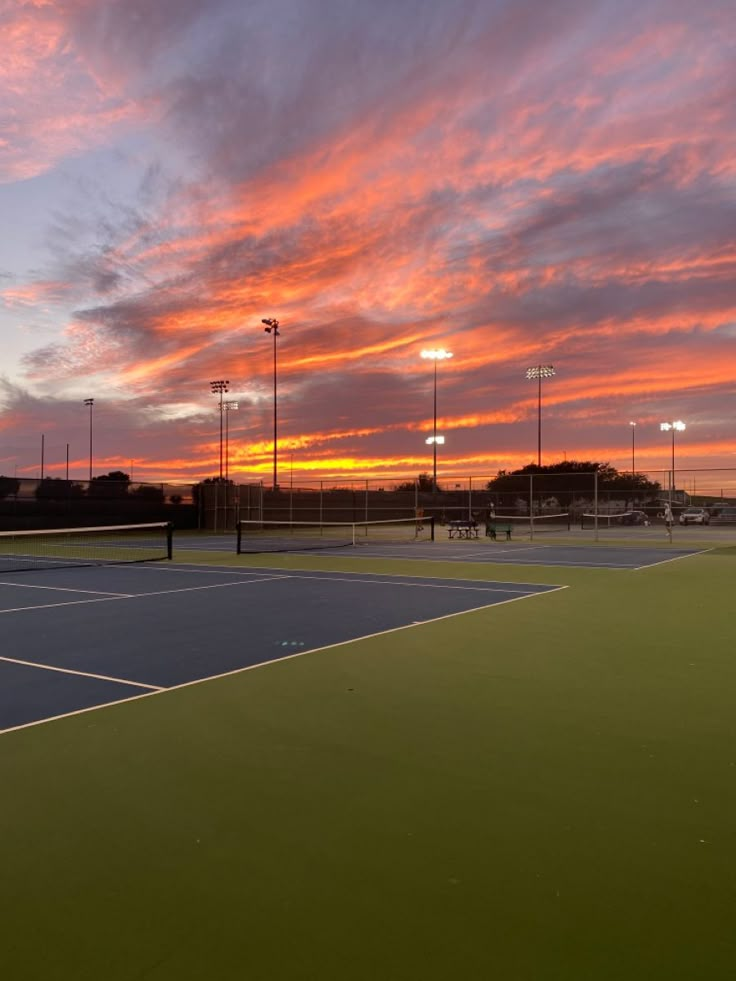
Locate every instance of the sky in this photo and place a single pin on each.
(518, 182)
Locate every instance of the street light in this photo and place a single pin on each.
(674, 427)
(633, 447)
(90, 403)
(218, 387)
(229, 407)
(539, 372)
(435, 355)
(272, 327)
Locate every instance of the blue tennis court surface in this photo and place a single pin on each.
(606, 556)
(84, 637)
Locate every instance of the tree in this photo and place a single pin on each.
(149, 492)
(58, 489)
(423, 483)
(9, 486)
(570, 481)
(115, 475)
(109, 485)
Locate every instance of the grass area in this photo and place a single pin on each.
(541, 790)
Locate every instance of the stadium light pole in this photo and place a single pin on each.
(218, 387)
(633, 447)
(435, 355)
(678, 426)
(539, 372)
(229, 407)
(90, 403)
(272, 327)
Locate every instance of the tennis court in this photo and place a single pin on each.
(94, 635)
(483, 766)
(610, 555)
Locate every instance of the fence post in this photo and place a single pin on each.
(531, 507)
(595, 502)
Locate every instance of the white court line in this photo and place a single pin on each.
(345, 576)
(277, 660)
(490, 588)
(134, 596)
(63, 589)
(516, 549)
(540, 565)
(339, 575)
(82, 674)
(673, 558)
(51, 606)
(217, 585)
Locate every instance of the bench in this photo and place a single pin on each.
(462, 529)
(495, 528)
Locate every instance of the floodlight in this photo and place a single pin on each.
(539, 372)
(435, 355)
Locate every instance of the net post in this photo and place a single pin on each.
(239, 529)
(170, 540)
(431, 527)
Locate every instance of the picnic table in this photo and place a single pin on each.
(462, 528)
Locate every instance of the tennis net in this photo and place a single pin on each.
(52, 548)
(523, 524)
(296, 536)
(624, 519)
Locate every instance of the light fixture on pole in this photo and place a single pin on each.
(218, 387)
(539, 372)
(272, 327)
(90, 403)
(229, 407)
(674, 427)
(633, 447)
(435, 356)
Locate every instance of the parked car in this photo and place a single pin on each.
(694, 516)
(634, 518)
(725, 515)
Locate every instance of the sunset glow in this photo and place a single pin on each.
(518, 182)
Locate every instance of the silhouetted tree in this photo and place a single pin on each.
(9, 486)
(58, 489)
(109, 485)
(118, 476)
(148, 492)
(571, 480)
(423, 482)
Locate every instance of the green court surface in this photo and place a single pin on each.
(539, 790)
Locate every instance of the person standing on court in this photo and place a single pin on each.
(668, 516)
